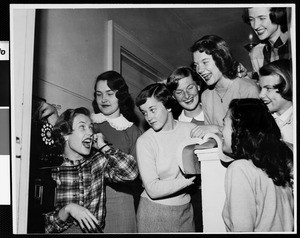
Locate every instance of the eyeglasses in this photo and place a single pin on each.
(189, 90)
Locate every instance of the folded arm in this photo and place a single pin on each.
(156, 187)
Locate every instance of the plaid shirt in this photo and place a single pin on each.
(83, 183)
(265, 53)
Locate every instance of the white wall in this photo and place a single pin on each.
(69, 53)
(70, 47)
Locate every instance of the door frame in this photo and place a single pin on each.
(22, 27)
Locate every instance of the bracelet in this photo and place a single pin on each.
(107, 144)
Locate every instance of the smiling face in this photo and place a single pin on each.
(79, 142)
(206, 68)
(106, 99)
(187, 94)
(227, 133)
(261, 23)
(271, 96)
(156, 114)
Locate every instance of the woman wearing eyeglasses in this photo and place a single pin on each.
(186, 87)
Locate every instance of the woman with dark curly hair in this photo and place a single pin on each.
(258, 183)
(115, 117)
(216, 65)
(81, 178)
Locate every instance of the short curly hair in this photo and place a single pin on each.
(160, 92)
(64, 126)
(282, 68)
(278, 15)
(257, 137)
(217, 47)
(183, 72)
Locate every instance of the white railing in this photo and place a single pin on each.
(212, 182)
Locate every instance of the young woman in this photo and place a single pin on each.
(115, 117)
(187, 87)
(271, 25)
(259, 196)
(111, 101)
(80, 192)
(214, 62)
(276, 86)
(164, 205)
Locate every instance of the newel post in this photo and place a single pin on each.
(212, 178)
(212, 187)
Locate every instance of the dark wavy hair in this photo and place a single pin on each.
(158, 91)
(256, 137)
(283, 69)
(278, 15)
(183, 72)
(64, 126)
(217, 47)
(117, 83)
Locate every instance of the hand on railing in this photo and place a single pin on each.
(210, 143)
(201, 131)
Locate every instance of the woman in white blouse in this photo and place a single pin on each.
(276, 86)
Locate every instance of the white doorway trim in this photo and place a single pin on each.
(22, 45)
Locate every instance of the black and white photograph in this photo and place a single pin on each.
(153, 118)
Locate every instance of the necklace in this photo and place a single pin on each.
(223, 94)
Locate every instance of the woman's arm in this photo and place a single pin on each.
(155, 187)
(54, 223)
(58, 220)
(120, 167)
(202, 130)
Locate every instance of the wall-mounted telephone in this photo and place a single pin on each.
(43, 157)
(45, 152)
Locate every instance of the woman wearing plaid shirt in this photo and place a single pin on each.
(80, 191)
